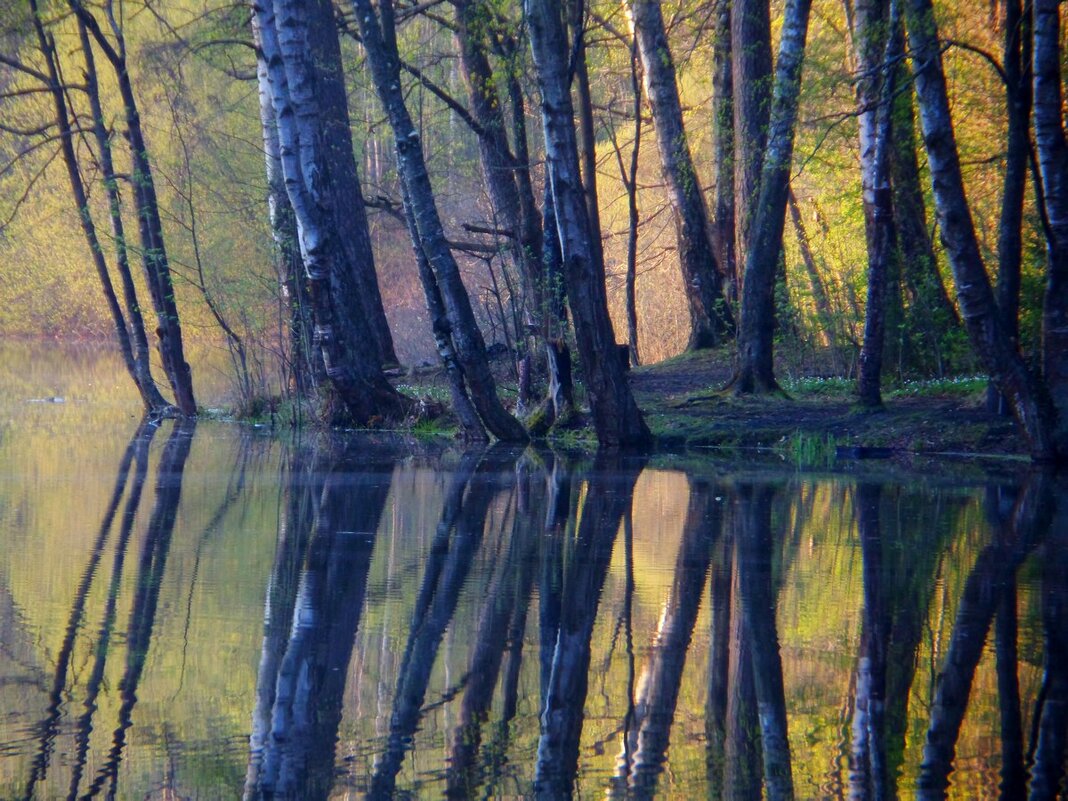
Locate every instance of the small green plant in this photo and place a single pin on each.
(810, 450)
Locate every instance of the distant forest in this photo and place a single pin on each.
(877, 189)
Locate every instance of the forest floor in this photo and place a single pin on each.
(816, 419)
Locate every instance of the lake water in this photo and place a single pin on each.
(211, 612)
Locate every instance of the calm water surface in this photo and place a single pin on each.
(209, 613)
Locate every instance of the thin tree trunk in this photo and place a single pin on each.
(351, 364)
(587, 134)
(1052, 145)
(879, 42)
(710, 317)
(1002, 360)
(1018, 93)
(755, 342)
(743, 770)
(616, 417)
(154, 254)
(378, 35)
(439, 324)
(506, 175)
(723, 223)
(751, 79)
(47, 47)
(360, 282)
(819, 290)
(146, 384)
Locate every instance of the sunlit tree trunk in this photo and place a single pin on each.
(710, 317)
(154, 253)
(352, 364)
(616, 417)
(378, 35)
(755, 337)
(824, 312)
(993, 344)
(1052, 145)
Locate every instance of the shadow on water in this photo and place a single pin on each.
(521, 574)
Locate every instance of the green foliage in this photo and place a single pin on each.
(806, 449)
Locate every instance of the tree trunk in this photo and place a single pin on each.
(931, 312)
(359, 282)
(500, 167)
(615, 414)
(587, 135)
(150, 393)
(710, 317)
(755, 340)
(439, 324)
(1018, 93)
(751, 80)
(307, 371)
(1002, 360)
(1052, 145)
(723, 149)
(824, 312)
(378, 35)
(154, 254)
(47, 47)
(352, 365)
(878, 42)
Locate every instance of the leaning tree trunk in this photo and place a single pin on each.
(751, 81)
(878, 41)
(154, 253)
(352, 365)
(615, 414)
(46, 44)
(1001, 358)
(756, 370)
(710, 317)
(824, 312)
(150, 393)
(1053, 161)
(380, 45)
(360, 282)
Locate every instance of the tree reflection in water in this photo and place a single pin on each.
(543, 655)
